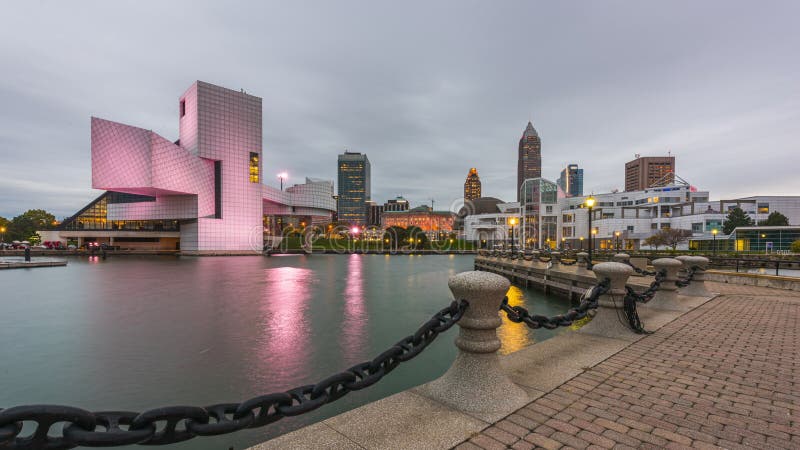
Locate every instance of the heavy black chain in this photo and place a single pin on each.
(518, 314)
(179, 423)
(650, 292)
(629, 308)
(689, 277)
(569, 262)
(646, 273)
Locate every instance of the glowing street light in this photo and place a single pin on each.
(512, 221)
(283, 176)
(714, 232)
(616, 234)
(589, 202)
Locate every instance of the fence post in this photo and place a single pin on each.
(622, 257)
(667, 295)
(610, 318)
(555, 258)
(475, 381)
(583, 259)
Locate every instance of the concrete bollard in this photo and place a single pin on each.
(583, 260)
(667, 295)
(697, 288)
(622, 258)
(555, 258)
(475, 381)
(684, 259)
(610, 318)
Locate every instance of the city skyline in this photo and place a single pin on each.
(441, 99)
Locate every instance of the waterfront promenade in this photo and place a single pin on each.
(723, 375)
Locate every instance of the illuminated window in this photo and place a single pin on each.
(763, 208)
(254, 168)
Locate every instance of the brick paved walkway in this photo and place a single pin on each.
(725, 375)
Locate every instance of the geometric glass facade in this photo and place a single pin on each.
(538, 206)
(354, 188)
(95, 217)
(571, 181)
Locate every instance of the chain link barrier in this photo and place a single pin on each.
(168, 425)
(518, 314)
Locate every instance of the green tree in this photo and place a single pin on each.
(26, 224)
(736, 218)
(795, 247)
(397, 236)
(418, 237)
(775, 219)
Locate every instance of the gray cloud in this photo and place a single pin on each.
(426, 89)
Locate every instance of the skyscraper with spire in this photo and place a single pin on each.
(529, 164)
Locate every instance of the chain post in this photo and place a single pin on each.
(667, 295)
(697, 287)
(475, 382)
(610, 319)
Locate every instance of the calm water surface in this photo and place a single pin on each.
(133, 333)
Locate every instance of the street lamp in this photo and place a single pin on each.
(590, 204)
(714, 232)
(759, 243)
(563, 242)
(512, 221)
(581, 238)
(283, 176)
(2, 234)
(616, 233)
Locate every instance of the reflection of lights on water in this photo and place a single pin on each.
(355, 317)
(513, 336)
(284, 306)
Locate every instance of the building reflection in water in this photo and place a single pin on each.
(287, 323)
(353, 334)
(514, 336)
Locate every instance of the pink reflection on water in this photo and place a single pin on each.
(286, 330)
(354, 323)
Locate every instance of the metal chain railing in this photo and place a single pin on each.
(644, 272)
(518, 314)
(173, 424)
(689, 277)
(650, 292)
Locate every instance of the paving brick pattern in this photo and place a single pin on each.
(725, 375)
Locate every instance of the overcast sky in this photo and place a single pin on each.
(426, 89)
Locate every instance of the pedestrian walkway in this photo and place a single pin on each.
(724, 375)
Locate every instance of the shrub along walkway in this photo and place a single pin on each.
(725, 375)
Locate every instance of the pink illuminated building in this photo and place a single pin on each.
(202, 194)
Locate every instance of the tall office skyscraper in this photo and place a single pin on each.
(472, 186)
(529, 164)
(642, 172)
(354, 188)
(571, 181)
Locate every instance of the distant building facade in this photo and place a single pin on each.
(472, 186)
(354, 188)
(529, 162)
(643, 172)
(374, 212)
(434, 223)
(397, 204)
(571, 181)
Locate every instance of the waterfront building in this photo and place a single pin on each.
(764, 239)
(571, 180)
(472, 186)
(354, 187)
(493, 224)
(538, 213)
(529, 158)
(374, 212)
(435, 224)
(645, 172)
(202, 194)
(396, 204)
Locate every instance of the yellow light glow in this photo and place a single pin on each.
(590, 202)
(714, 231)
(616, 233)
(512, 221)
(594, 231)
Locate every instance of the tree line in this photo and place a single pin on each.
(24, 226)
